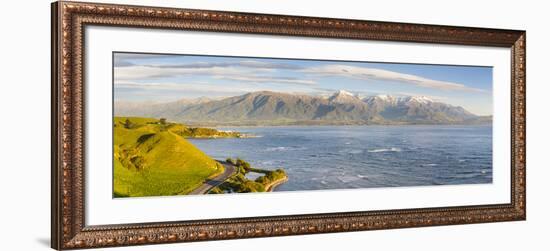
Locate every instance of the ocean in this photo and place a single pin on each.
(344, 157)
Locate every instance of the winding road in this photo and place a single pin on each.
(230, 169)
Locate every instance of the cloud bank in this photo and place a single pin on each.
(243, 71)
(366, 73)
(255, 71)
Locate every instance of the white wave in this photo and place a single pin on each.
(278, 148)
(362, 176)
(351, 151)
(283, 148)
(348, 179)
(431, 164)
(380, 150)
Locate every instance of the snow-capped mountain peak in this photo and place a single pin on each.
(422, 99)
(344, 92)
(384, 96)
(343, 96)
(389, 99)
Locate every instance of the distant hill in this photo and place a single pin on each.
(274, 108)
(153, 159)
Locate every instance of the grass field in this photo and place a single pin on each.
(153, 158)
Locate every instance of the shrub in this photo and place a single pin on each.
(129, 124)
(239, 162)
(243, 164)
(271, 176)
(230, 161)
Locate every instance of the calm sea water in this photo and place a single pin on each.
(337, 157)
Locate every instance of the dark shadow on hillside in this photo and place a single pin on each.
(323, 110)
(145, 137)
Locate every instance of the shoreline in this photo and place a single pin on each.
(270, 187)
(247, 136)
(239, 183)
(342, 125)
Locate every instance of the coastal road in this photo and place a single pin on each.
(230, 169)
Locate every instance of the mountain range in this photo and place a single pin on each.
(275, 108)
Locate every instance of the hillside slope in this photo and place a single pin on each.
(153, 159)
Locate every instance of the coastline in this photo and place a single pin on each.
(217, 124)
(270, 187)
(241, 136)
(339, 125)
(238, 182)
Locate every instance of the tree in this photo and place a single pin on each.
(128, 124)
(239, 162)
(245, 165)
(162, 123)
(230, 161)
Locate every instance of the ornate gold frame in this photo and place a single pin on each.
(68, 22)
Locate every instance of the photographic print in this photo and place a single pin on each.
(196, 124)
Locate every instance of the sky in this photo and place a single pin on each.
(165, 78)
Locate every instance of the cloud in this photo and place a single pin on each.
(189, 87)
(149, 73)
(385, 75)
(243, 71)
(140, 56)
(269, 79)
(122, 63)
(166, 91)
(163, 92)
(244, 63)
(122, 59)
(126, 59)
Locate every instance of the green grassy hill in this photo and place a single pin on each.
(153, 158)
